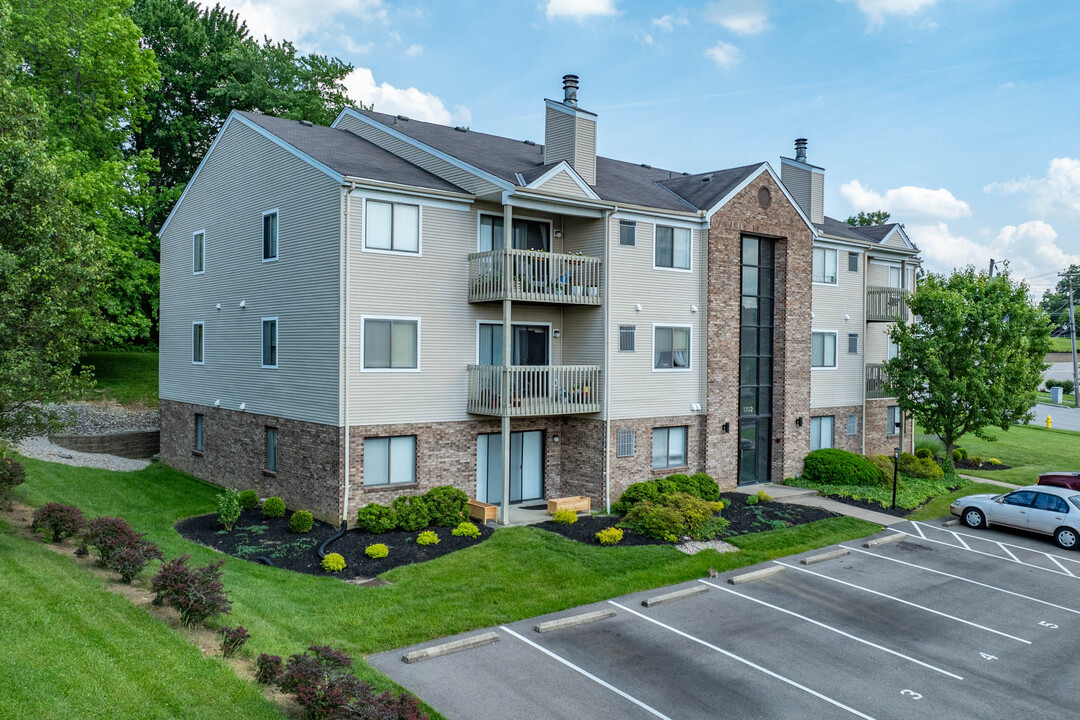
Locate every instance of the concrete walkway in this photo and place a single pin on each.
(810, 498)
(1010, 486)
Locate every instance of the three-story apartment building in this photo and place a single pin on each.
(356, 312)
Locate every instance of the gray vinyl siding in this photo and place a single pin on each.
(563, 184)
(585, 150)
(435, 165)
(839, 308)
(246, 175)
(559, 137)
(817, 198)
(797, 181)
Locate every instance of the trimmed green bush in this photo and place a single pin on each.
(610, 536)
(698, 485)
(446, 506)
(333, 562)
(707, 487)
(1066, 385)
(228, 505)
(763, 496)
(466, 529)
(924, 453)
(411, 512)
(428, 537)
(963, 453)
(920, 467)
(975, 460)
(677, 514)
(376, 551)
(994, 461)
(752, 499)
(301, 522)
(832, 466)
(884, 463)
(957, 455)
(564, 517)
(376, 518)
(249, 500)
(274, 507)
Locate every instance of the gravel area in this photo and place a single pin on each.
(103, 419)
(40, 448)
(693, 547)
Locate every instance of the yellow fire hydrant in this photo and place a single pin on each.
(1048, 421)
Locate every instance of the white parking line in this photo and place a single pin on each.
(920, 531)
(1055, 561)
(746, 662)
(981, 552)
(954, 534)
(964, 579)
(1018, 547)
(835, 630)
(1000, 545)
(905, 602)
(587, 674)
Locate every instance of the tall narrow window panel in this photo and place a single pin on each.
(853, 343)
(671, 348)
(392, 227)
(269, 342)
(197, 343)
(200, 433)
(669, 447)
(198, 252)
(892, 420)
(390, 460)
(821, 432)
(627, 338)
(391, 344)
(852, 425)
(823, 350)
(624, 443)
(672, 247)
(853, 262)
(270, 235)
(824, 270)
(627, 233)
(271, 449)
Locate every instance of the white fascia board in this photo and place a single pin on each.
(764, 167)
(567, 110)
(400, 193)
(692, 223)
(822, 240)
(804, 166)
(563, 165)
(471, 169)
(903, 236)
(558, 206)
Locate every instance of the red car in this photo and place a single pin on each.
(1070, 480)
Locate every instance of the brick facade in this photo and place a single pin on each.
(638, 467)
(841, 440)
(878, 442)
(138, 444)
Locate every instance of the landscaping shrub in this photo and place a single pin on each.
(228, 505)
(249, 500)
(376, 551)
(301, 522)
(698, 485)
(130, 561)
(428, 537)
(957, 455)
(268, 669)
(466, 529)
(564, 517)
(707, 487)
(12, 474)
(764, 496)
(58, 521)
(752, 499)
(884, 463)
(994, 461)
(963, 453)
(107, 536)
(198, 593)
(840, 467)
(446, 506)
(333, 562)
(376, 518)
(677, 514)
(1066, 385)
(411, 513)
(975, 460)
(924, 453)
(274, 507)
(232, 639)
(718, 506)
(920, 467)
(610, 536)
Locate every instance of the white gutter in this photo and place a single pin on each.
(607, 358)
(355, 182)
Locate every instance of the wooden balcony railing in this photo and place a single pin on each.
(875, 382)
(886, 304)
(534, 276)
(531, 390)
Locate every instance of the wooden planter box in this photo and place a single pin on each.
(482, 511)
(578, 503)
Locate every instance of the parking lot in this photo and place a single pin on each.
(946, 623)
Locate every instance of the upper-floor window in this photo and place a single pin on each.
(894, 349)
(853, 261)
(825, 265)
(527, 234)
(823, 350)
(627, 338)
(627, 232)
(197, 342)
(671, 348)
(894, 277)
(198, 252)
(392, 227)
(269, 342)
(672, 247)
(853, 343)
(270, 235)
(391, 343)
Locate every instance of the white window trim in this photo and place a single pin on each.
(551, 338)
(389, 470)
(193, 270)
(686, 447)
(689, 350)
(832, 435)
(836, 358)
(277, 245)
(550, 224)
(419, 227)
(836, 278)
(277, 341)
(203, 353)
(633, 223)
(672, 269)
(363, 327)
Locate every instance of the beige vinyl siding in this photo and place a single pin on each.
(877, 342)
(245, 176)
(830, 304)
(435, 165)
(817, 197)
(665, 296)
(562, 184)
(559, 137)
(583, 326)
(893, 240)
(585, 150)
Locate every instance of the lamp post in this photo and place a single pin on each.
(896, 465)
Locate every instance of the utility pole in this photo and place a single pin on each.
(1072, 334)
(992, 263)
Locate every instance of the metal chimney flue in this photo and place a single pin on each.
(570, 88)
(800, 149)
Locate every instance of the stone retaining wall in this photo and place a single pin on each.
(139, 445)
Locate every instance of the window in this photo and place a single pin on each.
(197, 342)
(1050, 502)
(668, 447)
(270, 235)
(1024, 498)
(671, 348)
(627, 232)
(853, 343)
(894, 349)
(627, 338)
(624, 443)
(821, 432)
(823, 350)
(672, 247)
(200, 433)
(852, 425)
(892, 420)
(269, 342)
(853, 262)
(198, 252)
(825, 266)
(391, 343)
(392, 227)
(527, 235)
(390, 460)
(271, 449)
(894, 277)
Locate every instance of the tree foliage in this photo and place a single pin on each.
(975, 357)
(866, 219)
(1055, 303)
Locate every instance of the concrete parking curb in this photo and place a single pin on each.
(884, 540)
(451, 647)
(825, 556)
(574, 621)
(755, 575)
(672, 596)
(951, 523)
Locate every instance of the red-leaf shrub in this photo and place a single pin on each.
(58, 521)
(198, 593)
(232, 639)
(131, 561)
(268, 669)
(11, 474)
(108, 536)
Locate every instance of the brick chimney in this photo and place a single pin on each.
(570, 132)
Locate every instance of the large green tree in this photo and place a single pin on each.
(971, 358)
(865, 219)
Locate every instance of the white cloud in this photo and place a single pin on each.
(579, 9)
(647, 40)
(906, 201)
(1058, 190)
(745, 17)
(877, 10)
(411, 102)
(724, 54)
(354, 48)
(414, 50)
(668, 22)
(293, 19)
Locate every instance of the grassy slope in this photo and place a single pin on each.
(939, 506)
(1028, 449)
(518, 573)
(126, 377)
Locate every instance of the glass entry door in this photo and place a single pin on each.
(755, 360)
(526, 467)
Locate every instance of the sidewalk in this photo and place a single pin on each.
(989, 482)
(810, 498)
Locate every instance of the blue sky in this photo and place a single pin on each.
(958, 116)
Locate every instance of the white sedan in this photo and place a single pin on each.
(1040, 508)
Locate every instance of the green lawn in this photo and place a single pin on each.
(939, 506)
(911, 491)
(518, 573)
(1060, 344)
(1067, 399)
(1028, 449)
(129, 378)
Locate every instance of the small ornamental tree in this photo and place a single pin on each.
(228, 505)
(11, 475)
(974, 358)
(130, 561)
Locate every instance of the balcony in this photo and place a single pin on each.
(886, 304)
(534, 390)
(875, 382)
(535, 276)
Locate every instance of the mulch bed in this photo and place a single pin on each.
(586, 527)
(255, 536)
(872, 505)
(985, 467)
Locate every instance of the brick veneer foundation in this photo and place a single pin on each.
(638, 467)
(841, 440)
(877, 441)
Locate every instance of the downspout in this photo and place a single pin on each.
(606, 381)
(865, 326)
(346, 263)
